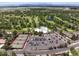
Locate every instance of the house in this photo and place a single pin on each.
(2, 42)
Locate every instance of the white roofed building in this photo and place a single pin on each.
(42, 29)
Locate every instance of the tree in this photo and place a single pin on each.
(14, 33)
(1, 35)
(7, 47)
(61, 32)
(69, 42)
(66, 54)
(74, 37)
(40, 33)
(3, 53)
(13, 53)
(73, 51)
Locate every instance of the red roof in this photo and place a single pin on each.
(2, 41)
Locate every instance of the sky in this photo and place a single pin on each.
(41, 3)
(17, 2)
(39, 0)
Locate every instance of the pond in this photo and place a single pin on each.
(49, 18)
